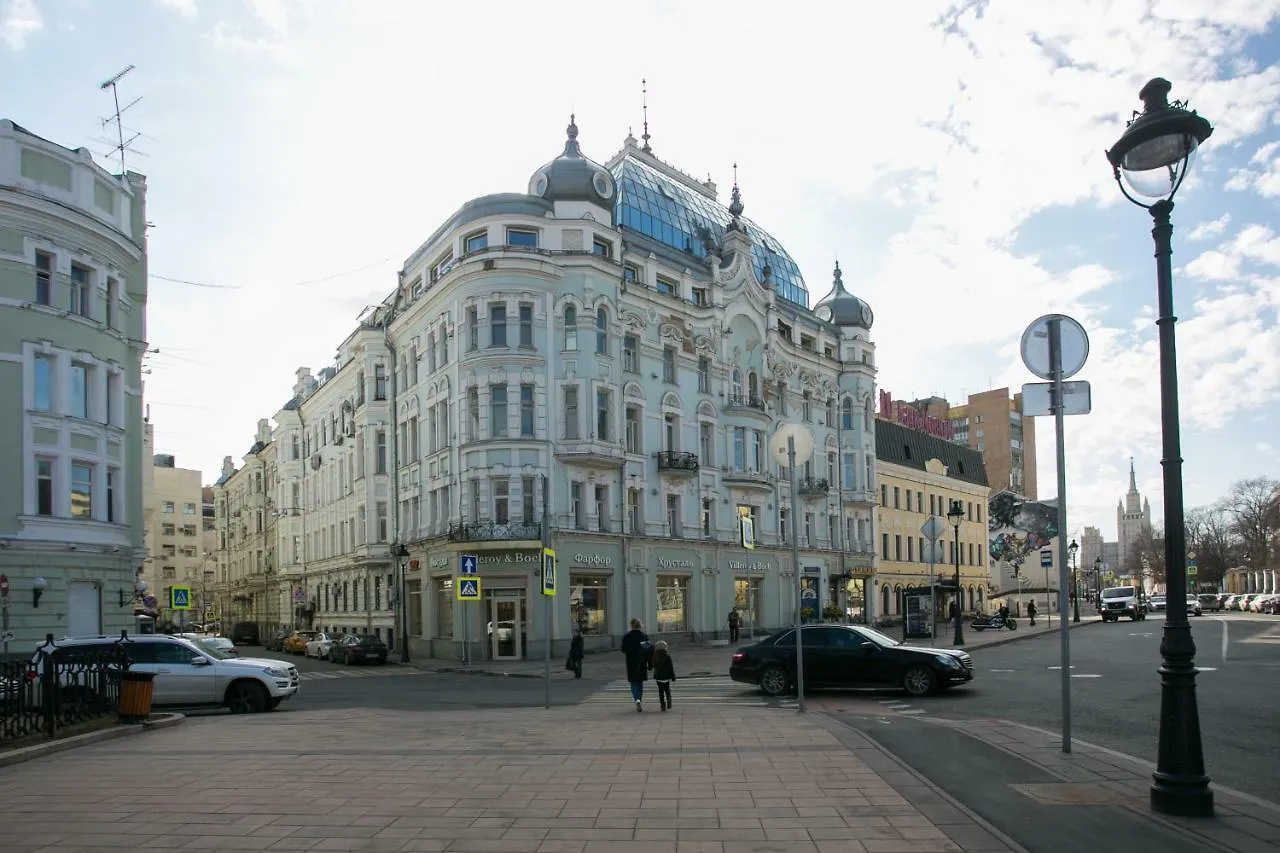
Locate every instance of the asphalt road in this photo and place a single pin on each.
(1115, 690)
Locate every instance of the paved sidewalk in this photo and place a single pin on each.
(693, 659)
(582, 779)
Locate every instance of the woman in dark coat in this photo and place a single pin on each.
(576, 653)
(636, 650)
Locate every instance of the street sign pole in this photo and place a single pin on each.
(1059, 409)
(4, 604)
(546, 545)
(468, 567)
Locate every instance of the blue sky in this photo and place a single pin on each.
(949, 154)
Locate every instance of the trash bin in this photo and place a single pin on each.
(135, 696)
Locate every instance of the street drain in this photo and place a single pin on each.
(1072, 794)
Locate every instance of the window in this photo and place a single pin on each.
(44, 487)
(78, 393)
(526, 411)
(526, 325)
(527, 499)
(633, 432)
(379, 382)
(571, 428)
(380, 452)
(473, 413)
(588, 607)
(668, 364)
(110, 415)
(42, 392)
(603, 415)
(848, 472)
(570, 328)
(633, 509)
(700, 296)
(442, 266)
(602, 248)
(807, 407)
(897, 498)
(113, 293)
(473, 330)
(575, 504)
(673, 516)
(707, 506)
(672, 614)
(168, 530)
(501, 506)
(167, 507)
(897, 548)
(630, 354)
(81, 490)
(846, 413)
(630, 272)
(602, 508)
(704, 374)
(831, 410)
(667, 286)
(706, 442)
(884, 543)
(79, 290)
(739, 448)
(497, 410)
(524, 237)
(497, 325)
(44, 278)
(602, 331)
(382, 521)
(188, 509)
(735, 382)
(476, 242)
(671, 432)
(444, 608)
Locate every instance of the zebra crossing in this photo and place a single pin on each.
(370, 672)
(710, 690)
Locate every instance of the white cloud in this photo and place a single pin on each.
(185, 8)
(1211, 228)
(19, 20)
(1264, 180)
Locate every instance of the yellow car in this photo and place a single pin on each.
(296, 643)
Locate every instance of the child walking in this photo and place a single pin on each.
(664, 672)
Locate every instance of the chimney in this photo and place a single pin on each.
(264, 430)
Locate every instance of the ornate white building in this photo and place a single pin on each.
(1133, 520)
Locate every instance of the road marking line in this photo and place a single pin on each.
(1004, 670)
(1084, 675)
(1206, 669)
(1058, 667)
(1224, 641)
(913, 711)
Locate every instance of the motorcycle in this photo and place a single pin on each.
(994, 622)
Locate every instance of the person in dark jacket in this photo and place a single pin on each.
(664, 672)
(1032, 611)
(576, 653)
(636, 650)
(735, 622)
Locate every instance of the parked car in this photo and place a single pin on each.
(319, 646)
(222, 644)
(1156, 603)
(1209, 601)
(190, 674)
(848, 656)
(296, 642)
(359, 648)
(245, 634)
(275, 643)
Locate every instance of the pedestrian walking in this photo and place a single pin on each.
(1031, 612)
(735, 622)
(576, 654)
(664, 672)
(637, 651)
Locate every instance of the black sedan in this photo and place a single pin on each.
(849, 656)
(359, 648)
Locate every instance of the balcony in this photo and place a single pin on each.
(745, 403)
(489, 531)
(812, 488)
(860, 497)
(591, 453)
(677, 462)
(748, 479)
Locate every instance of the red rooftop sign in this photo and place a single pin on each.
(912, 418)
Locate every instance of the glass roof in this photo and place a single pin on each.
(672, 214)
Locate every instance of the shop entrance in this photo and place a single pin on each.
(506, 626)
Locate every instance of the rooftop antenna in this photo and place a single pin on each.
(644, 102)
(122, 145)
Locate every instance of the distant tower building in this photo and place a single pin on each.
(1133, 516)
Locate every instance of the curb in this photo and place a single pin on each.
(1015, 637)
(40, 750)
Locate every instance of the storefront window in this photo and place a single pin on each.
(444, 607)
(855, 599)
(746, 598)
(588, 603)
(673, 604)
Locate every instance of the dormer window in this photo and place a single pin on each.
(523, 237)
(784, 330)
(667, 286)
(601, 248)
(442, 266)
(477, 242)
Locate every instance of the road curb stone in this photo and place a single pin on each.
(53, 747)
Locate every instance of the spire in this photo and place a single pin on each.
(571, 148)
(644, 101)
(735, 205)
(1133, 480)
(837, 278)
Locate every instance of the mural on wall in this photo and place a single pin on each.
(1017, 530)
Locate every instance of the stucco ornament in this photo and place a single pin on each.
(635, 321)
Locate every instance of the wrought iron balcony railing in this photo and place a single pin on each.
(814, 487)
(490, 531)
(677, 461)
(745, 401)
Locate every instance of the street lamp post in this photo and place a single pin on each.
(1075, 583)
(956, 515)
(1097, 582)
(1150, 160)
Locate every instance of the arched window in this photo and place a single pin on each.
(570, 327)
(846, 413)
(602, 331)
(884, 601)
(867, 415)
(736, 391)
(831, 410)
(753, 386)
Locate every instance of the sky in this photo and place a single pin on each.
(950, 155)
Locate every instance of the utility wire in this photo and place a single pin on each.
(306, 283)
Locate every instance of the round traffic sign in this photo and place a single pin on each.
(779, 444)
(1073, 341)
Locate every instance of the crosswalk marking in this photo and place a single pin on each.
(330, 674)
(714, 690)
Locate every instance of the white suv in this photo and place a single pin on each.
(191, 674)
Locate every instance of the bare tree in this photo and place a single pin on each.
(1146, 555)
(1255, 517)
(1210, 535)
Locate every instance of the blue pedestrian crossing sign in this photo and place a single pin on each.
(548, 571)
(468, 589)
(1046, 559)
(468, 565)
(179, 598)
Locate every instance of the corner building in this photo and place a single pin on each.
(616, 340)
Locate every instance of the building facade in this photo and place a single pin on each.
(1133, 523)
(73, 294)
(174, 537)
(245, 529)
(596, 364)
(918, 476)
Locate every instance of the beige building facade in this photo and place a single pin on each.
(174, 531)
